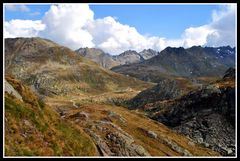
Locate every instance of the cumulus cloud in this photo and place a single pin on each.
(219, 32)
(22, 28)
(196, 35)
(224, 25)
(74, 26)
(66, 23)
(115, 37)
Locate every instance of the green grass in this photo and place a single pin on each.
(75, 142)
(45, 134)
(65, 139)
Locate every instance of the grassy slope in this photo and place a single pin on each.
(35, 129)
(60, 70)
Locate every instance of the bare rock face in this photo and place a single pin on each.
(101, 144)
(148, 53)
(113, 141)
(9, 88)
(212, 131)
(206, 115)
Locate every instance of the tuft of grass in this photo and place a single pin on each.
(41, 103)
(76, 143)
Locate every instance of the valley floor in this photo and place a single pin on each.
(117, 131)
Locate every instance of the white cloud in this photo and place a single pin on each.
(219, 32)
(22, 28)
(114, 37)
(19, 7)
(196, 35)
(224, 25)
(65, 24)
(74, 26)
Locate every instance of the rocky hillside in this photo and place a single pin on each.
(51, 69)
(108, 61)
(164, 90)
(57, 127)
(192, 62)
(206, 115)
(58, 103)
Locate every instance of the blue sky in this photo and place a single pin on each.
(18, 14)
(116, 28)
(159, 20)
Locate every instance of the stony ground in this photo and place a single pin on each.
(117, 131)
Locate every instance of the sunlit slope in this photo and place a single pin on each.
(51, 69)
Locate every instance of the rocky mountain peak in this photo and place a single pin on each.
(174, 49)
(129, 52)
(148, 53)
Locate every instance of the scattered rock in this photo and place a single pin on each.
(229, 151)
(101, 144)
(206, 145)
(115, 142)
(200, 140)
(24, 135)
(117, 116)
(177, 148)
(191, 143)
(27, 123)
(152, 134)
(149, 133)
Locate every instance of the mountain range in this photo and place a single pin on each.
(194, 62)
(108, 61)
(60, 102)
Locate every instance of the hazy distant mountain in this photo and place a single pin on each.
(98, 56)
(108, 61)
(192, 62)
(148, 53)
(128, 57)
